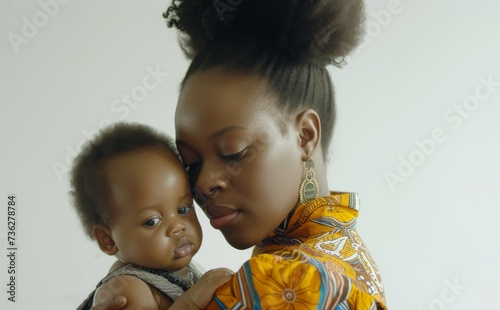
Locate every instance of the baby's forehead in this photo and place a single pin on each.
(144, 177)
(145, 159)
(139, 166)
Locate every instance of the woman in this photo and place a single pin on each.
(254, 121)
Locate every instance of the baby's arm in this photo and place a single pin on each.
(197, 297)
(138, 294)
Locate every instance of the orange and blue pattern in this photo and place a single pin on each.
(314, 260)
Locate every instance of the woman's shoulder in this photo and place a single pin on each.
(291, 278)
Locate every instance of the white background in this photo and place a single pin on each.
(438, 228)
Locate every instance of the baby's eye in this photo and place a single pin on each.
(151, 222)
(185, 209)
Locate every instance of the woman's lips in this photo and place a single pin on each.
(184, 248)
(221, 217)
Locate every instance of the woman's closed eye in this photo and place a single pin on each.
(151, 222)
(235, 156)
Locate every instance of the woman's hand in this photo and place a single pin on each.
(201, 293)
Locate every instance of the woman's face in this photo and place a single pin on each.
(243, 156)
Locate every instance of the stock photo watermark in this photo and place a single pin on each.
(121, 108)
(31, 26)
(377, 21)
(11, 247)
(380, 19)
(453, 117)
(113, 288)
(449, 294)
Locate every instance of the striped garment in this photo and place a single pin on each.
(314, 260)
(170, 284)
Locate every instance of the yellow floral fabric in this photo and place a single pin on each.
(314, 260)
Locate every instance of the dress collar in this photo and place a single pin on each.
(321, 216)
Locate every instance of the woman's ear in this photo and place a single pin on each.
(102, 235)
(309, 128)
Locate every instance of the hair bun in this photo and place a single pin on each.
(320, 31)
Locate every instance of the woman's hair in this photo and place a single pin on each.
(88, 181)
(288, 43)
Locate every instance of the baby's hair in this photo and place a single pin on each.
(88, 182)
(288, 43)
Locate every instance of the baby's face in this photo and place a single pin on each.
(153, 221)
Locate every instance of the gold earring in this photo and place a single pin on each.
(309, 187)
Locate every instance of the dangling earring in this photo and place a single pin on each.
(309, 187)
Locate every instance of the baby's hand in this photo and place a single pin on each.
(201, 293)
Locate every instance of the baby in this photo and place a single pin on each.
(133, 197)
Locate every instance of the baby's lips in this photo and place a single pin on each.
(183, 242)
(183, 248)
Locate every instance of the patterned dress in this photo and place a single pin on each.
(314, 260)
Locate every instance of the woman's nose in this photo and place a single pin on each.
(211, 183)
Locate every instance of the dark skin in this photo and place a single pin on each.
(248, 166)
(153, 224)
(152, 211)
(250, 171)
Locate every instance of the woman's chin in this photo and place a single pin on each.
(238, 243)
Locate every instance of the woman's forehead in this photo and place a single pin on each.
(219, 96)
(219, 85)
